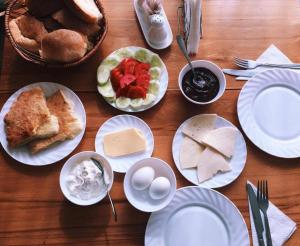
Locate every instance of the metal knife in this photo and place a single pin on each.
(242, 73)
(256, 215)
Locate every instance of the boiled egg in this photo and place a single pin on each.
(142, 178)
(159, 188)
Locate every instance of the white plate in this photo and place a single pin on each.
(237, 162)
(145, 28)
(141, 199)
(56, 152)
(164, 80)
(269, 112)
(197, 216)
(117, 123)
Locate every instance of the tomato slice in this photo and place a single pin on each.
(122, 92)
(115, 78)
(129, 67)
(143, 80)
(125, 61)
(126, 80)
(142, 68)
(136, 92)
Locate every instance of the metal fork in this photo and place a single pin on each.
(263, 203)
(250, 64)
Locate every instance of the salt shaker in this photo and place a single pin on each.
(157, 31)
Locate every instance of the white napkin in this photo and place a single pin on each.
(270, 55)
(281, 226)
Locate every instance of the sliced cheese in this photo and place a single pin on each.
(189, 153)
(124, 142)
(222, 140)
(199, 126)
(211, 162)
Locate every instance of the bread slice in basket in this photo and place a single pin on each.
(69, 124)
(29, 118)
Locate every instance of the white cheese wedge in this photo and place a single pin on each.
(189, 153)
(199, 126)
(124, 142)
(211, 162)
(222, 140)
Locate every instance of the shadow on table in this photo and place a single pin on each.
(84, 222)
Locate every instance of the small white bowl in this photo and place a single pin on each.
(141, 199)
(213, 68)
(69, 165)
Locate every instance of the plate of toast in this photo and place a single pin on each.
(42, 123)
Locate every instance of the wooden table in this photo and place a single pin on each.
(33, 210)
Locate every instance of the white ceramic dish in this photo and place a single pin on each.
(56, 152)
(141, 199)
(237, 162)
(145, 25)
(117, 123)
(66, 169)
(122, 53)
(269, 112)
(197, 216)
(213, 68)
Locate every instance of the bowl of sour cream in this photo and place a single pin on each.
(82, 182)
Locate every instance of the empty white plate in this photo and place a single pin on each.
(55, 152)
(237, 162)
(123, 163)
(197, 216)
(269, 112)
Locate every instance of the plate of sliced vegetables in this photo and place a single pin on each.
(132, 79)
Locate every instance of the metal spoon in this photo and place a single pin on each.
(197, 79)
(100, 166)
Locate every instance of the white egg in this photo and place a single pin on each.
(142, 178)
(159, 188)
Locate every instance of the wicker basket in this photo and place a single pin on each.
(17, 8)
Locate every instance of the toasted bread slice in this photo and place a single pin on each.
(29, 118)
(86, 10)
(69, 124)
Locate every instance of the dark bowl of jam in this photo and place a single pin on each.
(209, 85)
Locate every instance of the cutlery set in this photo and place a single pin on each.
(260, 202)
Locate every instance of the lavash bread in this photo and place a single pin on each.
(70, 21)
(69, 124)
(29, 118)
(63, 45)
(27, 31)
(42, 8)
(86, 10)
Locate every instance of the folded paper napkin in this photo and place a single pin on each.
(270, 55)
(281, 226)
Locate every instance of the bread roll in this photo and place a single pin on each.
(27, 32)
(63, 46)
(42, 8)
(68, 20)
(86, 10)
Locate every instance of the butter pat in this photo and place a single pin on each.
(124, 142)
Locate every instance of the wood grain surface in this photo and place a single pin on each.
(33, 210)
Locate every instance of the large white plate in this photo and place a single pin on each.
(164, 80)
(197, 216)
(117, 123)
(55, 152)
(237, 162)
(269, 112)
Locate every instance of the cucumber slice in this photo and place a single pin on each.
(123, 102)
(103, 74)
(156, 61)
(142, 55)
(154, 88)
(150, 98)
(155, 72)
(111, 61)
(110, 99)
(124, 53)
(154, 81)
(106, 90)
(136, 103)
